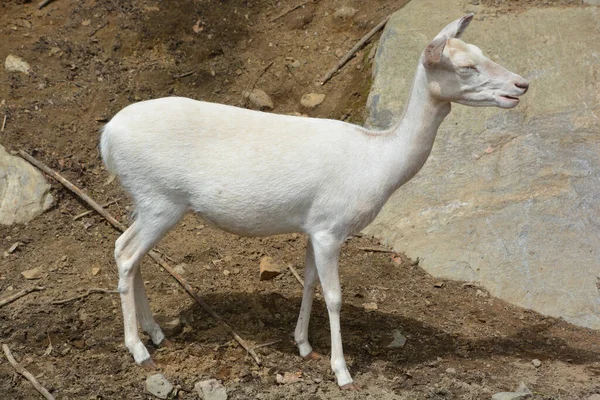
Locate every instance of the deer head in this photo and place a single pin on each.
(459, 72)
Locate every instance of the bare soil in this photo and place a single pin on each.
(90, 59)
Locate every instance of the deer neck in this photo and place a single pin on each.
(414, 134)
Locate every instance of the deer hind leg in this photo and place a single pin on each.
(310, 282)
(150, 226)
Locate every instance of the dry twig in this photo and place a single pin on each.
(353, 50)
(119, 226)
(92, 33)
(81, 296)
(258, 346)
(20, 294)
(83, 214)
(184, 75)
(3, 123)
(289, 11)
(376, 249)
(253, 83)
(295, 273)
(26, 373)
(44, 4)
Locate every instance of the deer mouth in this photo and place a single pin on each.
(510, 98)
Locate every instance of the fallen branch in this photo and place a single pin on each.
(26, 373)
(119, 226)
(92, 33)
(203, 304)
(83, 214)
(44, 4)
(376, 249)
(353, 50)
(81, 296)
(184, 75)
(253, 83)
(295, 273)
(258, 346)
(289, 11)
(20, 294)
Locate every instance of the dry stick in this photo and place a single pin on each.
(92, 33)
(353, 50)
(258, 346)
(44, 4)
(295, 273)
(376, 249)
(26, 373)
(184, 75)
(3, 123)
(83, 214)
(253, 83)
(289, 11)
(20, 294)
(81, 296)
(119, 226)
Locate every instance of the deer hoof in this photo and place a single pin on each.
(312, 356)
(149, 364)
(351, 387)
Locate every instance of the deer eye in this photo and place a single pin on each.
(468, 68)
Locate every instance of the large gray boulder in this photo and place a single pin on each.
(508, 198)
(24, 193)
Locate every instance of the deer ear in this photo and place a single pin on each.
(433, 53)
(456, 28)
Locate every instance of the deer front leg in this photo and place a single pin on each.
(327, 250)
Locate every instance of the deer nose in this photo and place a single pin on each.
(522, 85)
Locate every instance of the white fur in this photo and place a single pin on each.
(257, 174)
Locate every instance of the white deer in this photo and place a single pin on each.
(258, 174)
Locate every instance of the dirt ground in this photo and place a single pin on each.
(90, 59)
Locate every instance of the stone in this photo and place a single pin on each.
(450, 371)
(95, 270)
(399, 339)
(594, 397)
(289, 378)
(24, 193)
(511, 396)
(345, 12)
(171, 326)
(158, 386)
(16, 64)
(536, 363)
(180, 269)
(370, 306)
(592, 2)
(259, 100)
(269, 269)
(522, 388)
(211, 389)
(520, 220)
(34, 273)
(311, 100)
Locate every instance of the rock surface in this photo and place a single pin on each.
(24, 193)
(508, 198)
(159, 386)
(269, 269)
(259, 99)
(13, 63)
(211, 389)
(311, 100)
(511, 396)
